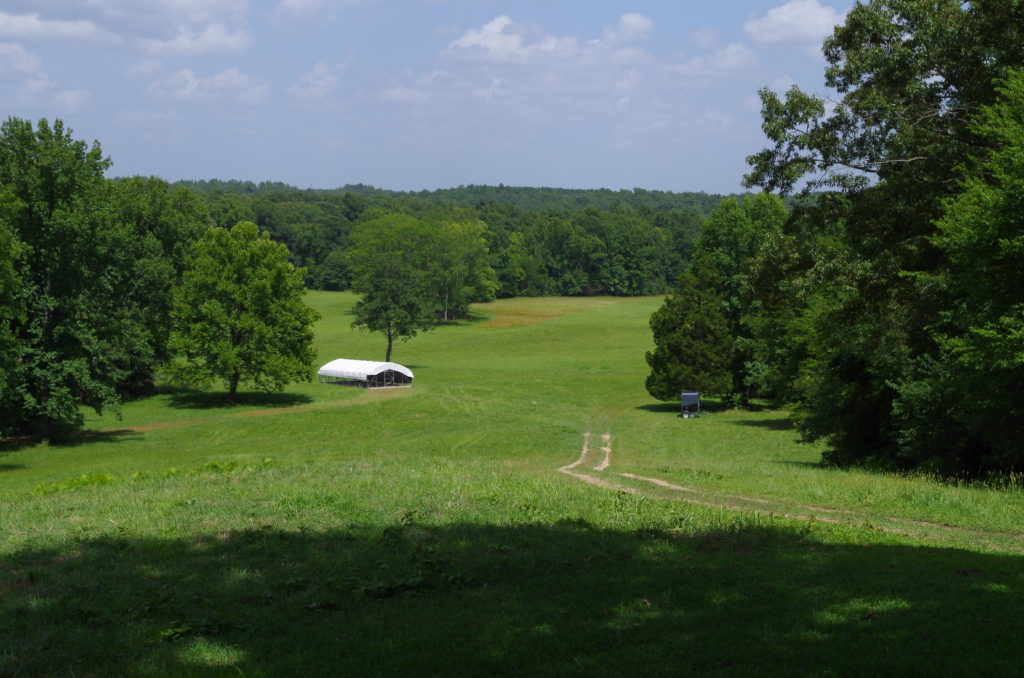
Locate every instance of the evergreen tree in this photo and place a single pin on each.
(692, 345)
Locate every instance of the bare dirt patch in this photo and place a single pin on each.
(526, 311)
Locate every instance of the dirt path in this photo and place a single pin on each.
(742, 503)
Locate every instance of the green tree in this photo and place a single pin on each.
(163, 223)
(79, 327)
(965, 408)
(11, 305)
(239, 314)
(912, 76)
(732, 235)
(460, 267)
(692, 345)
(390, 264)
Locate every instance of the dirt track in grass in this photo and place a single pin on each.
(592, 462)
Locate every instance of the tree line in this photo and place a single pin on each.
(888, 305)
(541, 241)
(110, 285)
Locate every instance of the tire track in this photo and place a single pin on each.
(585, 455)
(741, 503)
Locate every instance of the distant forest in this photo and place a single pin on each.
(529, 199)
(541, 241)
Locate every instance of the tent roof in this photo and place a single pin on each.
(359, 369)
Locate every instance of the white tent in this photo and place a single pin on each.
(365, 373)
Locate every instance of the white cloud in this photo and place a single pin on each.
(180, 27)
(214, 38)
(732, 57)
(30, 26)
(796, 21)
(705, 38)
(70, 100)
(504, 41)
(301, 6)
(232, 85)
(317, 83)
(15, 60)
(494, 91)
(631, 27)
(144, 68)
(23, 70)
(148, 118)
(192, 11)
(403, 95)
(308, 11)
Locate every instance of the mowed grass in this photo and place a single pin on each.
(428, 531)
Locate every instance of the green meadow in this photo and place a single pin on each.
(526, 509)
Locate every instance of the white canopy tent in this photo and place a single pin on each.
(365, 373)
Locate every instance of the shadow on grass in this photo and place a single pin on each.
(777, 424)
(808, 464)
(73, 439)
(709, 406)
(11, 467)
(198, 400)
(562, 599)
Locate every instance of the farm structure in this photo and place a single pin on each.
(365, 373)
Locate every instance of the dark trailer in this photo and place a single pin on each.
(689, 404)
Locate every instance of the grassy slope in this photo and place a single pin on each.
(428, 531)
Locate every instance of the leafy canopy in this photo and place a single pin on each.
(239, 314)
(81, 286)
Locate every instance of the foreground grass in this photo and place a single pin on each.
(427, 531)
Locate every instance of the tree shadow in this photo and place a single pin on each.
(201, 400)
(709, 406)
(72, 439)
(11, 467)
(15, 443)
(777, 424)
(563, 599)
(660, 407)
(88, 436)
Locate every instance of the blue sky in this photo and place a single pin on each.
(414, 94)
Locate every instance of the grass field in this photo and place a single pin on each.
(526, 509)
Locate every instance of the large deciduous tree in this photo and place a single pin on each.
(239, 313)
(460, 269)
(969, 403)
(390, 263)
(913, 76)
(11, 307)
(731, 236)
(161, 223)
(74, 316)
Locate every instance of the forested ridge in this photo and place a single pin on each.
(526, 198)
(541, 241)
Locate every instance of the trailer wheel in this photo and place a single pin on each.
(686, 414)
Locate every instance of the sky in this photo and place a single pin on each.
(416, 94)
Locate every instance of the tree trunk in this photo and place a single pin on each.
(233, 386)
(387, 358)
